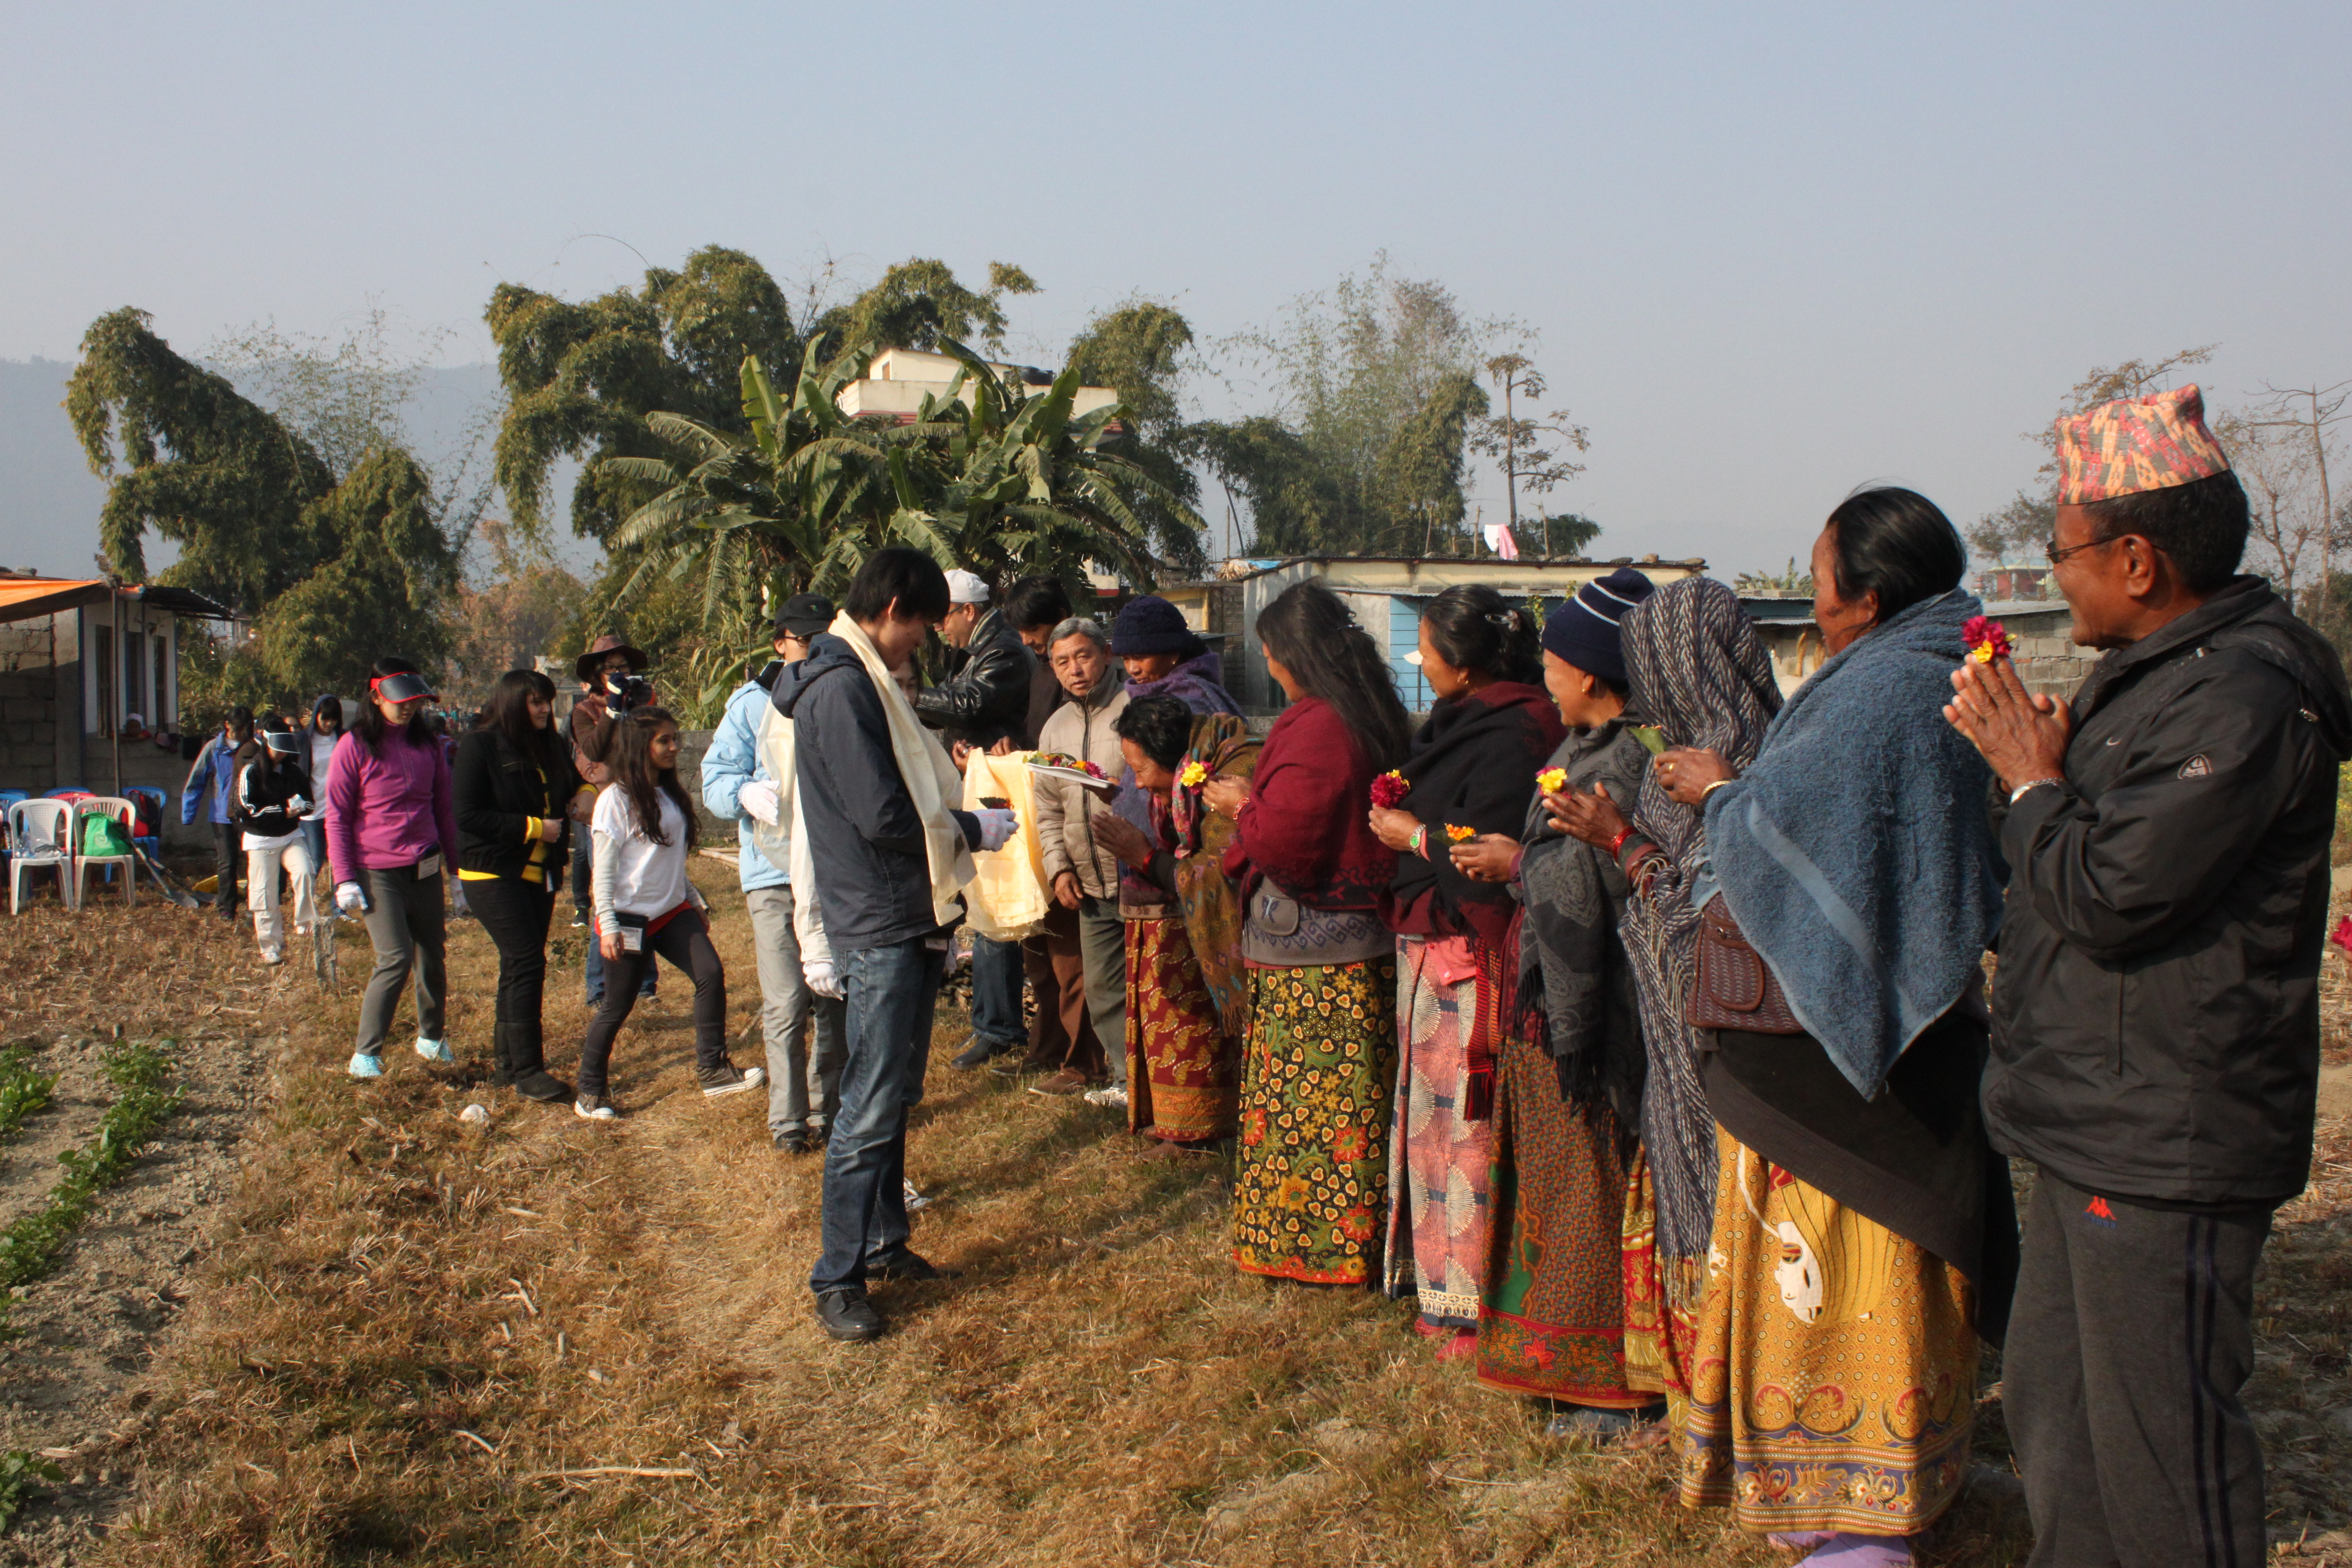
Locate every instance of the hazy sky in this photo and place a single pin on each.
(1771, 251)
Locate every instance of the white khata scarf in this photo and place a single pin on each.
(931, 779)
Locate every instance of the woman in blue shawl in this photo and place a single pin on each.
(1864, 1231)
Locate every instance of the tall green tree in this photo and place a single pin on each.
(1137, 350)
(331, 569)
(1365, 376)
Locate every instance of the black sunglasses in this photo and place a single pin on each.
(2056, 555)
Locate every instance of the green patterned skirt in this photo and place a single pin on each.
(1317, 1078)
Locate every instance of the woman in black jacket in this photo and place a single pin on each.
(513, 782)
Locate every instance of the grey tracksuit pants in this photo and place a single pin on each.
(2132, 1334)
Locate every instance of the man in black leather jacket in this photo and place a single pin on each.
(2156, 1011)
(984, 704)
(986, 700)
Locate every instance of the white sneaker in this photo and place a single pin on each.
(365, 1066)
(273, 955)
(595, 1108)
(915, 1200)
(435, 1050)
(1113, 1095)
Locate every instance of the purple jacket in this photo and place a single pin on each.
(389, 810)
(1198, 682)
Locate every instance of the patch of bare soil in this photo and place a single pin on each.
(80, 1340)
(411, 1339)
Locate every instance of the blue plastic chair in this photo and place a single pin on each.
(8, 797)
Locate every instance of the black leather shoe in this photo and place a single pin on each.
(543, 1086)
(791, 1140)
(848, 1315)
(908, 1266)
(977, 1051)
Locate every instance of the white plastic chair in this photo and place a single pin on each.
(39, 836)
(126, 814)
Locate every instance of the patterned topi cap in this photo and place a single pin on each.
(2137, 444)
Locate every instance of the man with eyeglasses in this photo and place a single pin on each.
(2156, 1011)
(804, 1083)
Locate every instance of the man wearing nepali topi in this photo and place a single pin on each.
(2156, 1011)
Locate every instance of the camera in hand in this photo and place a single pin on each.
(624, 692)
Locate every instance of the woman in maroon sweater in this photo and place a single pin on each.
(1317, 1068)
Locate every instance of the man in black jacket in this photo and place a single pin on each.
(2156, 1014)
(879, 859)
(984, 704)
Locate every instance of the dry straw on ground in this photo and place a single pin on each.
(414, 1341)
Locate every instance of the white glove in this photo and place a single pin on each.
(350, 899)
(822, 979)
(997, 825)
(759, 802)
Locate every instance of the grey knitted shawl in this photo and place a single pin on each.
(1701, 676)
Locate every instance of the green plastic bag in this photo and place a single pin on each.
(103, 835)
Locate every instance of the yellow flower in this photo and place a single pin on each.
(1194, 775)
(1551, 779)
(1458, 833)
(1981, 653)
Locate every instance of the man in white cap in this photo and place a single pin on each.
(984, 703)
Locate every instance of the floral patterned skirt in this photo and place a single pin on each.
(1834, 1379)
(1552, 1322)
(1317, 1077)
(1183, 1073)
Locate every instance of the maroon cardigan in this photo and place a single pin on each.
(1307, 824)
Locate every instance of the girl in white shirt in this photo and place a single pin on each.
(643, 833)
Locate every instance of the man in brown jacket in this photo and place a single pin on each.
(1082, 872)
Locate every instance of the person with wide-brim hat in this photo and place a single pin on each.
(589, 664)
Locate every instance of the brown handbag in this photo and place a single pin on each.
(1736, 987)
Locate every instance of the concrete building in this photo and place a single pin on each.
(2047, 658)
(899, 379)
(77, 660)
(1387, 594)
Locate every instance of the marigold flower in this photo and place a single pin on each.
(1194, 775)
(1388, 789)
(1552, 780)
(1459, 833)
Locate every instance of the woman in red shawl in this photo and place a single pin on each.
(1319, 1062)
(1472, 770)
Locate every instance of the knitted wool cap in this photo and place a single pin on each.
(1583, 631)
(1150, 623)
(966, 588)
(2137, 444)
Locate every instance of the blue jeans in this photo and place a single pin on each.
(314, 836)
(996, 992)
(891, 992)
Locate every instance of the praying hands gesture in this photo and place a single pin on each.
(1225, 796)
(1594, 817)
(1123, 838)
(2022, 736)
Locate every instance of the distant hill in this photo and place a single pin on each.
(50, 499)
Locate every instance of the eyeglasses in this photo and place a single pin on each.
(2056, 555)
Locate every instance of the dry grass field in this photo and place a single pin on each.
(395, 1338)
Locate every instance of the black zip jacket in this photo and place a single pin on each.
(497, 791)
(987, 699)
(2156, 1011)
(873, 874)
(265, 784)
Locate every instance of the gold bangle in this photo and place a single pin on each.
(1712, 788)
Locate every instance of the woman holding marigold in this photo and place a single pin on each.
(1863, 1234)
(1570, 1313)
(1187, 1000)
(1319, 1062)
(1472, 770)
